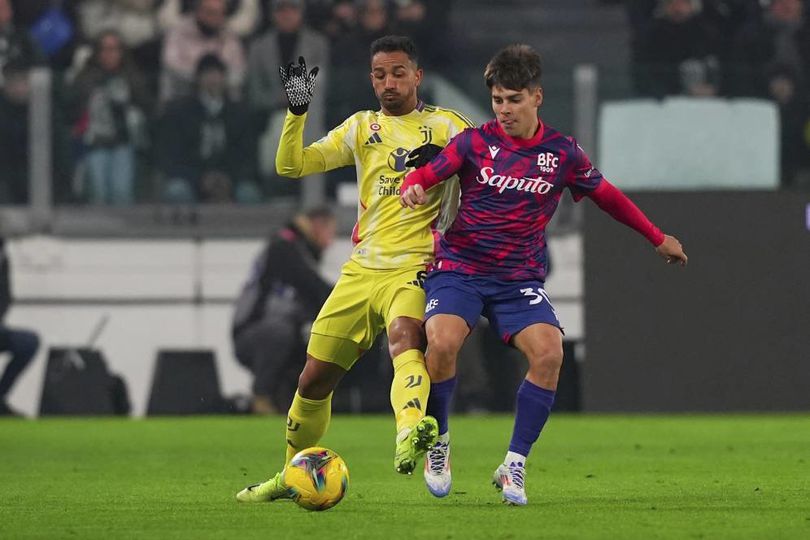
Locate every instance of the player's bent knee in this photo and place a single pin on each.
(444, 346)
(546, 359)
(405, 334)
(313, 388)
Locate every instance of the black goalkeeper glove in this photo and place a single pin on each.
(419, 157)
(298, 85)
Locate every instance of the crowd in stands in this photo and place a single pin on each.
(180, 100)
(731, 48)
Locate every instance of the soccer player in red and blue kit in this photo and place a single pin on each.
(493, 259)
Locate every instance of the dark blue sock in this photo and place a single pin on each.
(441, 394)
(533, 407)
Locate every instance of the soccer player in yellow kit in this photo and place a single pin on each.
(380, 286)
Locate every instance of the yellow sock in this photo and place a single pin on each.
(307, 421)
(410, 388)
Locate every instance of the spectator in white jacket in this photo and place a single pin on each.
(242, 19)
(203, 32)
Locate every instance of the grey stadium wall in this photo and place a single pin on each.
(731, 332)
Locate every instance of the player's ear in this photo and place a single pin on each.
(538, 96)
(419, 75)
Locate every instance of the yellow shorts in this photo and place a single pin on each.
(363, 303)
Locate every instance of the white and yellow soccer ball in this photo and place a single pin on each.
(317, 478)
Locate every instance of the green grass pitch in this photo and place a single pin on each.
(589, 477)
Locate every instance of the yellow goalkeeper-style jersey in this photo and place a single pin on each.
(386, 235)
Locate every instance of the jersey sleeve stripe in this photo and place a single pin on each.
(462, 117)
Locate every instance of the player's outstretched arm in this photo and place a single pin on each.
(299, 86)
(292, 159)
(672, 250)
(610, 199)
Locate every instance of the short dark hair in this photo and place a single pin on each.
(514, 67)
(320, 213)
(394, 44)
(208, 62)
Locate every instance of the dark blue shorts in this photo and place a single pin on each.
(510, 306)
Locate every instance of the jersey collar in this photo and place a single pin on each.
(518, 142)
(420, 108)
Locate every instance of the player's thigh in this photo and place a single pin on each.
(452, 293)
(340, 351)
(513, 307)
(445, 336)
(400, 303)
(400, 294)
(347, 324)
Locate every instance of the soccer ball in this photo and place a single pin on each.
(317, 478)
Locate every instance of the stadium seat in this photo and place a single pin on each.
(185, 382)
(77, 383)
(688, 143)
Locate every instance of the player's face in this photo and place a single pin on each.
(395, 79)
(516, 111)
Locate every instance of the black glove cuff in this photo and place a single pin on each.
(298, 110)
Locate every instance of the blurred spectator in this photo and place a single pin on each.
(789, 94)
(134, 20)
(243, 16)
(352, 91)
(343, 19)
(193, 37)
(350, 58)
(640, 15)
(21, 344)
(319, 13)
(779, 39)
(15, 97)
(677, 54)
(772, 56)
(52, 26)
(15, 44)
(289, 39)
(727, 17)
(374, 21)
(427, 22)
(206, 145)
(278, 302)
(111, 103)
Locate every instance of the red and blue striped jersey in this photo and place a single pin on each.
(510, 189)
